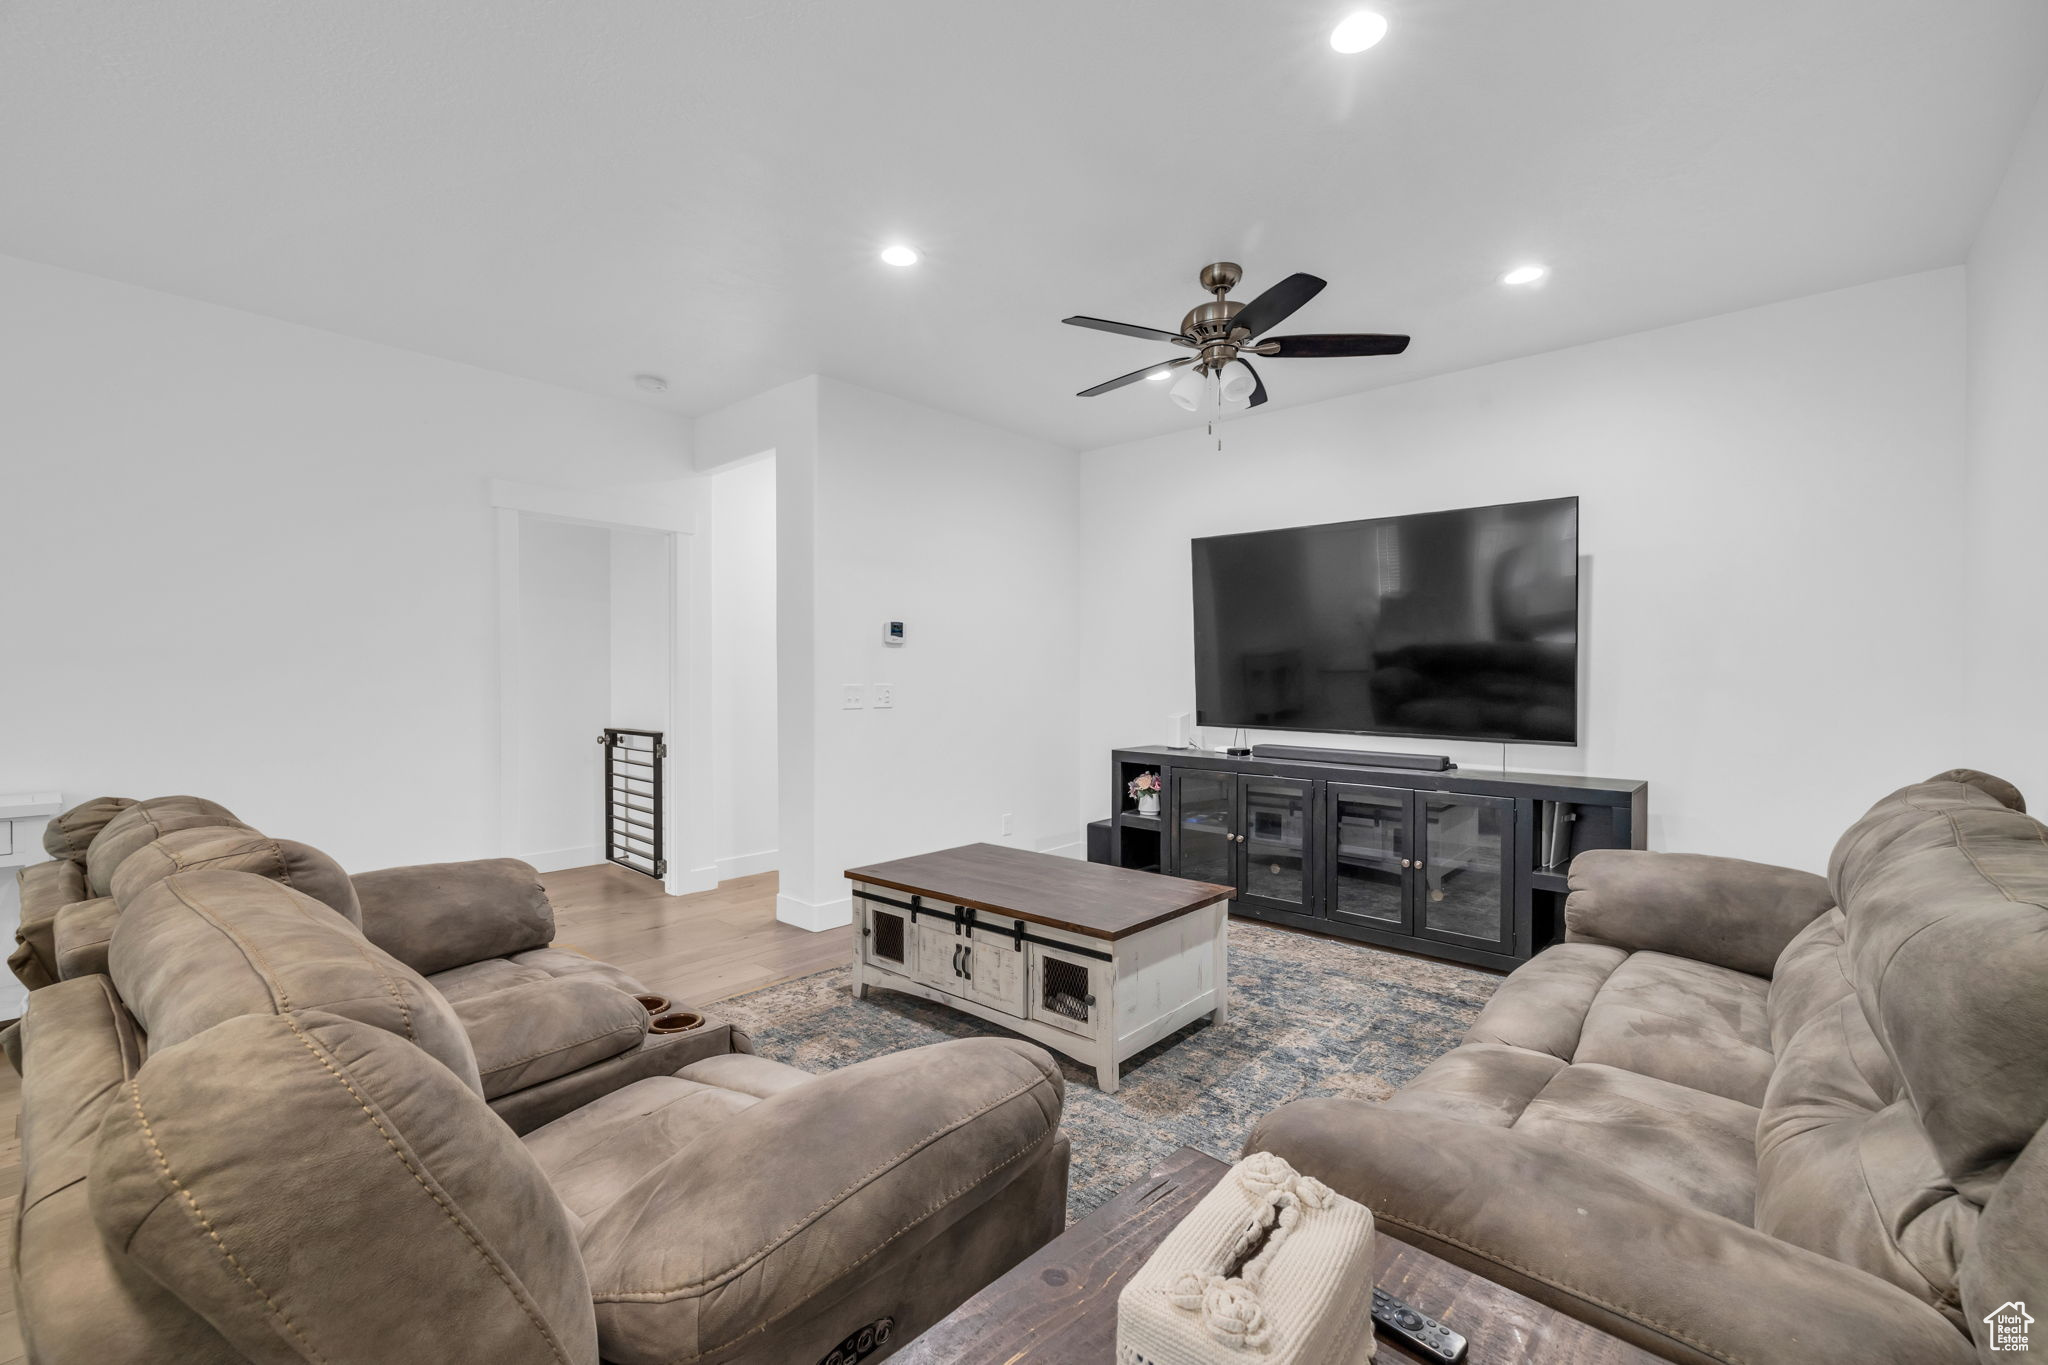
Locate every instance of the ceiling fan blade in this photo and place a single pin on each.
(1338, 343)
(1277, 304)
(1129, 329)
(1135, 375)
(1258, 384)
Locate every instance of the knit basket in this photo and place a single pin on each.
(1272, 1268)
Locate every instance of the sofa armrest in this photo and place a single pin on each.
(793, 1201)
(1572, 1232)
(436, 916)
(1725, 911)
(534, 1032)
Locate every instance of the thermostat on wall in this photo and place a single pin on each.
(892, 632)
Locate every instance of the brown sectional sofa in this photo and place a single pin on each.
(1744, 1113)
(265, 1134)
(551, 1029)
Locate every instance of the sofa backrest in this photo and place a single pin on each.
(145, 822)
(438, 916)
(68, 836)
(319, 1189)
(299, 866)
(1910, 1027)
(79, 1299)
(199, 948)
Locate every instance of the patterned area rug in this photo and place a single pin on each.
(1308, 1017)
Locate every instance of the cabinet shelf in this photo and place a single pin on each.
(1131, 818)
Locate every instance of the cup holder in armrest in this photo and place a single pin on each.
(682, 1021)
(655, 1005)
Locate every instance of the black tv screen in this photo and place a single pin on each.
(1451, 625)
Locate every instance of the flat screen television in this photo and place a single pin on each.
(1450, 625)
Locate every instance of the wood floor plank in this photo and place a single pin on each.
(694, 949)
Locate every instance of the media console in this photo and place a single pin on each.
(1467, 864)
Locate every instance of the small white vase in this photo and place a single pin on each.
(1148, 804)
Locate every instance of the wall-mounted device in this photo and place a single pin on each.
(892, 632)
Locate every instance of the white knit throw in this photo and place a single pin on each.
(1272, 1268)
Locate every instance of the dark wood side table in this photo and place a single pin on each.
(1059, 1306)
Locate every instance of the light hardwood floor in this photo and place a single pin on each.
(693, 949)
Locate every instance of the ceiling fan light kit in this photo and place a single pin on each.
(1222, 332)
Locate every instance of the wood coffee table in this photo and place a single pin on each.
(1094, 961)
(1058, 1307)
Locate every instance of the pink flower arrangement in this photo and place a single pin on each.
(1144, 784)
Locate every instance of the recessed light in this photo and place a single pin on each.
(653, 383)
(1525, 274)
(1358, 32)
(899, 255)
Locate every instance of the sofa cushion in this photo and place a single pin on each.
(563, 964)
(143, 823)
(542, 1029)
(362, 1207)
(84, 931)
(436, 916)
(1543, 1005)
(473, 979)
(45, 889)
(1944, 889)
(1812, 976)
(201, 947)
(77, 1300)
(286, 861)
(69, 835)
(1689, 1143)
(1480, 1083)
(596, 1154)
(1690, 1023)
(1845, 1169)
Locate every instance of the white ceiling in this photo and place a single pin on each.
(577, 192)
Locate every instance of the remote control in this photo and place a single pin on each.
(1424, 1334)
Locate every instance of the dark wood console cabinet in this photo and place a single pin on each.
(1443, 863)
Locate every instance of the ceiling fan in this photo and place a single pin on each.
(1222, 332)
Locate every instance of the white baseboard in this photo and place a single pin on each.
(814, 917)
(556, 860)
(1065, 850)
(747, 864)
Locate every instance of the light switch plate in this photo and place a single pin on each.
(884, 695)
(850, 699)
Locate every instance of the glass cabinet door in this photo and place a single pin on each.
(1274, 840)
(1204, 825)
(1369, 855)
(1464, 862)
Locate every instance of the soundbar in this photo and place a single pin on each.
(1355, 758)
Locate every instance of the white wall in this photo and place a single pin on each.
(1770, 501)
(565, 690)
(255, 561)
(2005, 654)
(639, 619)
(888, 510)
(967, 534)
(743, 691)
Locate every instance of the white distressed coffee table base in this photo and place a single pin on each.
(1139, 988)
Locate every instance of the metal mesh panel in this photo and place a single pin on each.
(889, 936)
(1064, 988)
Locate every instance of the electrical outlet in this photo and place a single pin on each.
(1009, 825)
(884, 695)
(850, 699)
